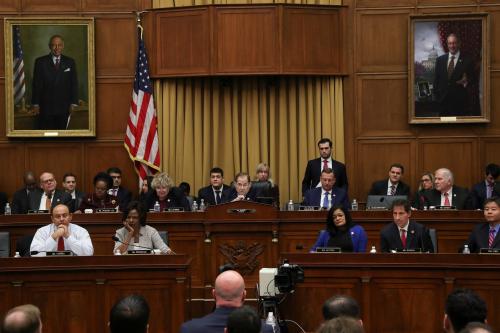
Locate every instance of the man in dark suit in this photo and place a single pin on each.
(229, 294)
(446, 194)
(453, 73)
(486, 235)
(20, 199)
(487, 188)
(327, 195)
(124, 196)
(393, 185)
(55, 87)
(129, 314)
(314, 167)
(48, 196)
(242, 190)
(69, 185)
(403, 233)
(213, 193)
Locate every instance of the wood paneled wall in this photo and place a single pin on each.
(115, 53)
(376, 107)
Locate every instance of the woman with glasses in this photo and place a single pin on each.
(99, 198)
(426, 183)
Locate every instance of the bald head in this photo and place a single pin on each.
(22, 319)
(229, 289)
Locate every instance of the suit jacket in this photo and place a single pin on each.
(478, 238)
(232, 194)
(214, 323)
(416, 237)
(54, 90)
(478, 194)
(380, 188)
(207, 194)
(3, 202)
(57, 198)
(75, 203)
(358, 236)
(339, 197)
(175, 198)
(20, 202)
(461, 198)
(313, 174)
(124, 197)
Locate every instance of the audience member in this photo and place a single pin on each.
(475, 327)
(124, 196)
(242, 190)
(49, 195)
(446, 194)
(462, 307)
(341, 306)
(486, 234)
(264, 186)
(166, 194)
(243, 320)
(341, 325)
(403, 234)
(100, 197)
(341, 232)
(20, 199)
(328, 195)
(487, 188)
(22, 319)
(186, 189)
(62, 235)
(69, 185)
(129, 315)
(325, 161)
(214, 193)
(426, 183)
(145, 188)
(392, 185)
(229, 294)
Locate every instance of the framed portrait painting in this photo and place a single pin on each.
(448, 79)
(49, 77)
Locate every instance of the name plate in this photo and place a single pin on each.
(58, 253)
(417, 250)
(489, 251)
(105, 210)
(309, 208)
(328, 250)
(175, 209)
(139, 252)
(445, 208)
(38, 211)
(377, 208)
(241, 211)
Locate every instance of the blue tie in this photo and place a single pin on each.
(325, 200)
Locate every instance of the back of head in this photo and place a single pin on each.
(129, 315)
(341, 306)
(464, 306)
(341, 325)
(229, 289)
(476, 327)
(243, 320)
(22, 319)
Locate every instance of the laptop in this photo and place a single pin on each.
(382, 202)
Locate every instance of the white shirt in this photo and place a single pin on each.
(330, 163)
(389, 184)
(456, 55)
(148, 237)
(43, 200)
(450, 197)
(78, 241)
(215, 194)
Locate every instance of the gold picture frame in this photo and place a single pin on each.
(36, 88)
(437, 91)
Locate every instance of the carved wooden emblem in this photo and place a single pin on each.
(241, 256)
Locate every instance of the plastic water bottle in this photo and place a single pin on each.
(271, 321)
(290, 205)
(194, 207)
(373, 250)
(17, 255)
(466, 249)
(156, 207)
(202, 205)
(354, 205)
(8, 211)
(117, 252)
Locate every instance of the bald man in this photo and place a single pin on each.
(49, 196)
(23, 318)
(229, 294)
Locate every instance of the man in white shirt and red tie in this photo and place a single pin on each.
(62, 235)
(485, 235)
(446, 194)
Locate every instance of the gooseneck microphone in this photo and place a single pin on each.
(116, 239)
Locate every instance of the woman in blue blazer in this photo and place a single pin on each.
(341, 232)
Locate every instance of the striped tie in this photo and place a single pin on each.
(491, 238)
(393, 190)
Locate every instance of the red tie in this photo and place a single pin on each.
(446, 200)
(325, 164)
(403, 237)
(60, 244)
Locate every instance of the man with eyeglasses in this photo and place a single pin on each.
(49, 196)
(124, 196)
(242, 190)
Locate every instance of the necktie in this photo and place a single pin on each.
(60, 244)
(325, 200)
(56, 64)
(115, 192)
(325, 164)
(403, 237)
(446, 200)
(217, 197)
(451, 66)
(489, 191)
(48, 202)
(491, 237)
(393, 189)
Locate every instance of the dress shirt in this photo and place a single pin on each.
(218, 200)
(389, 184)
(323, 193)
(44, 200)
(489, 189)
(455, 59)
(450, 197)
(148, 237)
(78, 241)
(496, 227)
(330, 163)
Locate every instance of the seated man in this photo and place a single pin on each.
(463, 306)
(213, 193)
(20, 199)
(242, 190)
(49, 195)
(486, 189)
(62, 235)
(485, 235)
(24, 318)
(341, 306)
(393, 185)
(445, 193)
(243, 320)
(404, 234)
(69, 185)
(129, 314)
(124, 196)
(328, 195)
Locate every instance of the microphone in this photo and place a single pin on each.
(116, 239)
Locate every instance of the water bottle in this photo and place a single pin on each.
(8, 211)
(373, 250)
(156, 207)
(194, 207)
(117, 252)
(354, 205)
(466, 249)
(271, 321)
(202, 205)
(290, 205)
(17, 255)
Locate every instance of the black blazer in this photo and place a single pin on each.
(232, 194)
(313, 174)
(75, 203)
(3, 202)
(207, 194)
(124, 197)
(175, 198)
(58, 197)
(416, 237)
(461, 198)
(20, 202)
(380, 188)
(478, 238)
(478, 194)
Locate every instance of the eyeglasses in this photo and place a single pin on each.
(46, 181)
(425, 180)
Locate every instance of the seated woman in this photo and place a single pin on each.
(135, 231)
(265, 186)
(145, 188)
(426, 183)
(99, 198)
(341, 232)
(165, 193)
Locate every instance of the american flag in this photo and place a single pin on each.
(141, 138)
(19, 86)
